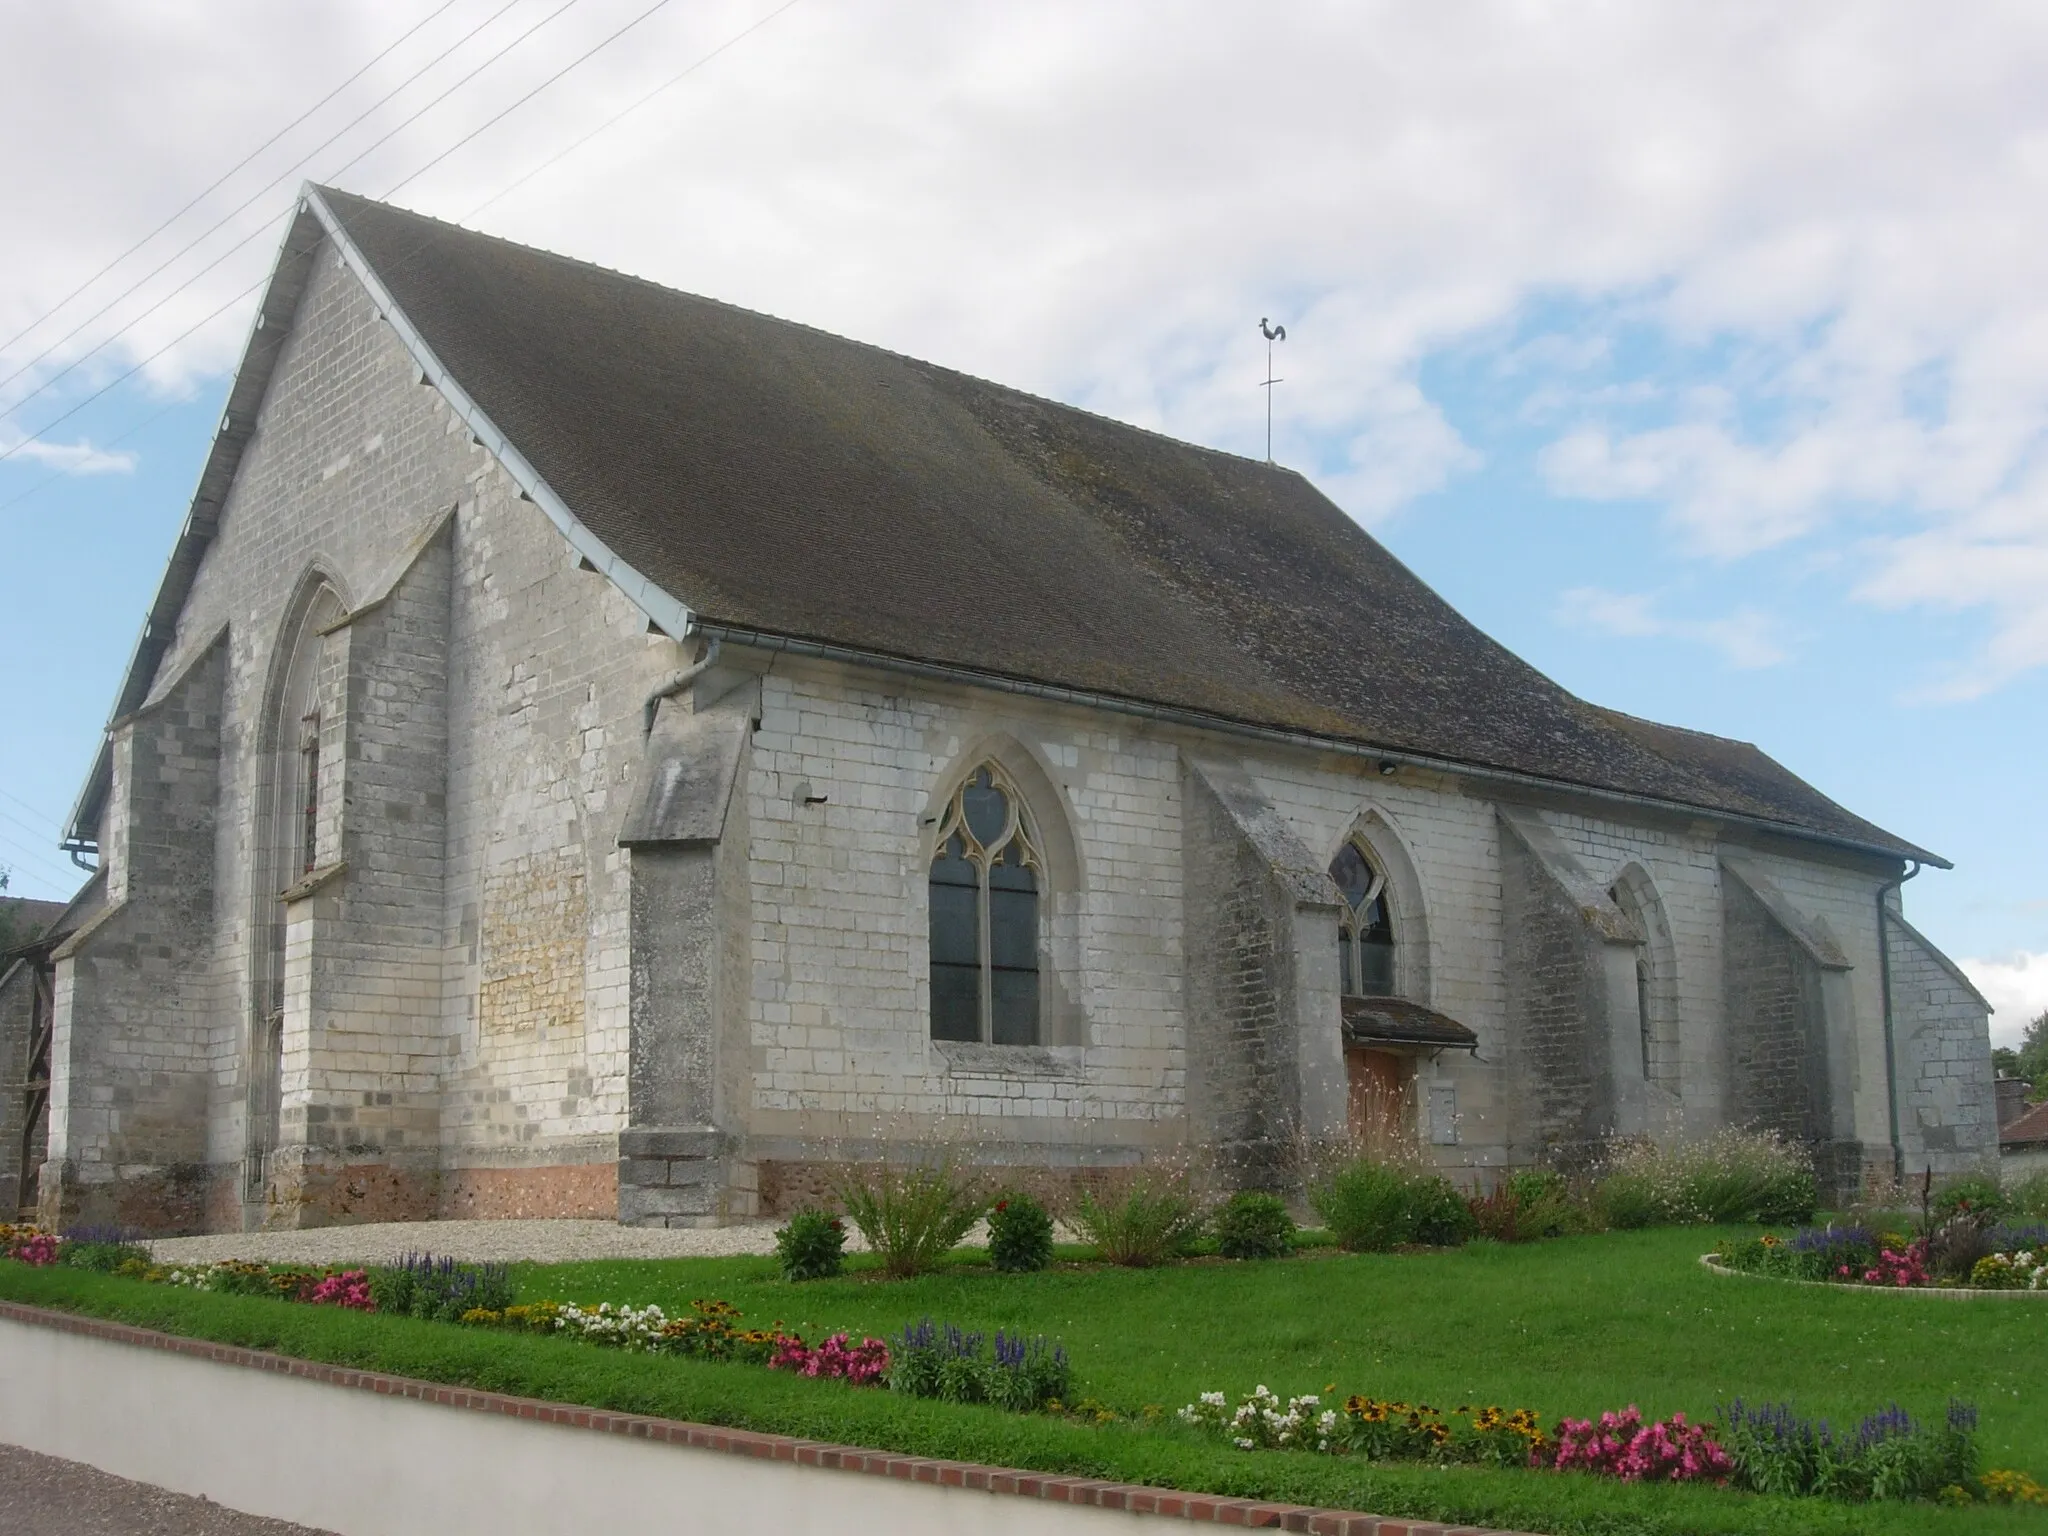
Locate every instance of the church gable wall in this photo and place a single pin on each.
(352, 467)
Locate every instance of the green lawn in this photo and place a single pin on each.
(1570, 1326)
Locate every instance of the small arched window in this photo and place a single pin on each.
(1365, 932)
(984, 917)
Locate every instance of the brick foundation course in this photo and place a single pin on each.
(1212, 1509)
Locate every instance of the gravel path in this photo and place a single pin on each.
(548, 1242)
(48, 1497)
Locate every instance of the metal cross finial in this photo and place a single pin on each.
(1272, 333)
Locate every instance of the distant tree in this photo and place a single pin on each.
(2031, 1059)
(15, 927)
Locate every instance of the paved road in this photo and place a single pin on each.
(46, 1497)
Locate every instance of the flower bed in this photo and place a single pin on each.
(1889, 1456)
(1957, 1255)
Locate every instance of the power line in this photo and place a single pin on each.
(118, 380)
(400, 128)
(522, 101)
(121, 437)
(33, 810)
(40, 864)
(222, 179)
(619, 116)
(565, 69)
(254, 197)
(33, 831)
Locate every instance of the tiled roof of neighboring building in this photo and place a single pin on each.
(779, 480)
(23, 917)
(2030, 1129)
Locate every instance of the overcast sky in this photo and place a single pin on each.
(1697, 352)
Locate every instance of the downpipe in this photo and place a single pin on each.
(676, 682)
(1884, 981)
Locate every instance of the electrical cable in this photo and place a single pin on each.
(222, 179)
(120, 379)
(33, 810)
(458, 85)
(121, 437)
(253, 198)
(522, 101)
(208, 319)
(38, 864)
(619, 116)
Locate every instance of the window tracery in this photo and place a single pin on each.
(985, 879)
(1365, 930)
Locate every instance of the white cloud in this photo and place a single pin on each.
(1745, 639)
(2017, 986)
(79, 458)
(1831, 214)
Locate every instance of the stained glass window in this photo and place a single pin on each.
(984, 916)
(1365, 931)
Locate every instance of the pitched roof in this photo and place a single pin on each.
(780, 481)
(2029, 1129)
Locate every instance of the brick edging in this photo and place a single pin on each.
(1131, 1498)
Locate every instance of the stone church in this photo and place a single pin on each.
(600, 752)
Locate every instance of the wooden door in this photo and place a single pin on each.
(1382, 1100)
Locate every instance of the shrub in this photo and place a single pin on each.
(1365, 1206)
(1254, 1225)
(1732, 1176)
(1439, 1213)
(100, 1248)
(1957, 1242)
(1890, 1456)
(1019, 1234)
(439, 1290)
(812, 1246)
(1973, 1193)
(2028, 1197)
(946, 1362)
(910, 1215)
(1373, 1206)
(1145, 1220)
(1529, 1203)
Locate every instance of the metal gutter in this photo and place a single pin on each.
(1280, 736)
(1884, 982)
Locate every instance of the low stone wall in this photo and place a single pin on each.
(357, 1453)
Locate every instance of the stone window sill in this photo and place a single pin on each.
(326, 875)
(966, 1059)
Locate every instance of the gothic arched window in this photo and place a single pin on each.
(1365, 933)
(984, 895)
